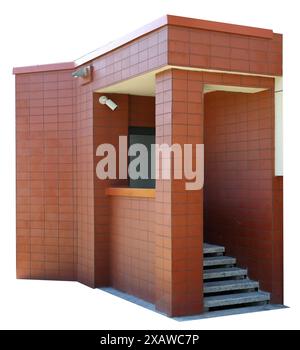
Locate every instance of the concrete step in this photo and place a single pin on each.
(229, 285)
(236, 299)
(224, 272)
(212, 248)
(218, 260)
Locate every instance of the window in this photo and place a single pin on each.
(146, 137)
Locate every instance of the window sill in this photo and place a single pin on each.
(130, 192)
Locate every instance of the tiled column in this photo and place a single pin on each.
(85, 185)
(178, 229)
(96, 124)
(108, 125)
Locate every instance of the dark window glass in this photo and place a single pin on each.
(146, 137)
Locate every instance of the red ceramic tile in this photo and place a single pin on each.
(256, 169)
(220, 63)
(72, 236)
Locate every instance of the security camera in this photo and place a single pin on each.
(83, 72)
(108, 102)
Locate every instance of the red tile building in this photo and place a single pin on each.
(194, 81)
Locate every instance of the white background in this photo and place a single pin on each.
(36, 32)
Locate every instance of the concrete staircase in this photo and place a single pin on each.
(225, 285)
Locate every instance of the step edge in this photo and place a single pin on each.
(217, 262)
(229, 287)
(236, 296)
(260, 297)
(240, 272)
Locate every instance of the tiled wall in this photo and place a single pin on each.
(97, 124)
(85, 183)
(108, 125)
(230, 52)
(132, 246)
(190, 48)
(141, 111)
(62, 212)
(139, 56)
(46, 212)
(178, 229)
(179, 119)
(277, 281)
(239, 183)
(130, 235)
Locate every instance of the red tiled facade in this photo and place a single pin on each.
(46, 201)
(242, 200)
(223, 51)
(132, 259)
(178, 255)
(68, 228)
